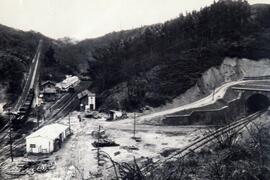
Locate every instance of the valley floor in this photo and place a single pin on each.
(77, 157)
(78, 151)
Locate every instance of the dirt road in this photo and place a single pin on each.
(210, 99)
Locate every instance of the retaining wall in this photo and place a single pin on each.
(230, 111)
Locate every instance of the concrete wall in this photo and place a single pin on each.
(229, 112)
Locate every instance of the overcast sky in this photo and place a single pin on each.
(81, 19)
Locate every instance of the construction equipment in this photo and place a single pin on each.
(104, 143)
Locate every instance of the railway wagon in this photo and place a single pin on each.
(26, 106)
(69, 83)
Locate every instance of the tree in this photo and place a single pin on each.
(50, 56)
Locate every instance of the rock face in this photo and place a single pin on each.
(231, 69)
(231, 106)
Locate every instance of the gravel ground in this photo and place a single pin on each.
(77, 157)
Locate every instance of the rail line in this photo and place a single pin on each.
(31, 78)
(58, 103)
(5, 151)
(31, 75)
(55, 108)
(237, 125)
(68, 105)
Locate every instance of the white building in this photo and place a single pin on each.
(91, 102)
(115, 114)
(69, 82)
(87, 100)
(47, 139)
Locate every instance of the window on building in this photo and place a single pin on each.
(32, 146)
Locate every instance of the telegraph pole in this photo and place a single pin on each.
(134, 125)
(98, 148)
(37, 115)
(10, 136)
(69, 122)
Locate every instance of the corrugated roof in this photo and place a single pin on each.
(48, 82)
(70, 80)
(84, 93)
(114, 111)
(51, 131)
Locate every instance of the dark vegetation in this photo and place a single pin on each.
(52, 68)
(16, 49)
(162, 61)
(145, 66)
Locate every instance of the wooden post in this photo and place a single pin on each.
(134, 125)
(69, 123)
(10, 136)
(38, 116)
(98, 148)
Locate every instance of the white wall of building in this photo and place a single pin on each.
(70, 81)
(92, 100)
(116, 114)
(42, 145)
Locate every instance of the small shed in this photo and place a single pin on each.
(87, 100)
(47, 139)
(115, 114)
(48, 90)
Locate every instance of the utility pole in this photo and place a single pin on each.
(134, 125)
(37, 116)
(10, 136)
(69, 122)
(98, 148)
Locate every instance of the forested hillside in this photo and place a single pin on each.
(145, 66)
(16, 50)
(162, 61)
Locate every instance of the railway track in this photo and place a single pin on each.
(31, 80)
(5, 151)
(28, 85)
(4, 128)
(58, 103)
(236, 126)
(67, 106)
